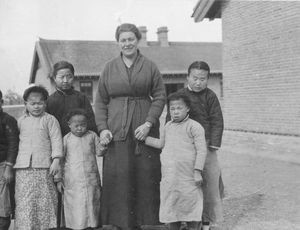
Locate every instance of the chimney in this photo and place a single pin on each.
(143, 31)
(162, 36)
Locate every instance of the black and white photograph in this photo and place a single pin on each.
(149, 114)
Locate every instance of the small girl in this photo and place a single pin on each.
(182, 159)
(37, 162)
(81, 179)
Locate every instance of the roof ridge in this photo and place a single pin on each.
(114, 42)
(195, 43)
(74, 41)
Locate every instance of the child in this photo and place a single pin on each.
(206, 109)
(9, 141)
(66, 98)
(182, 159)
(81, 181)
(37, 163)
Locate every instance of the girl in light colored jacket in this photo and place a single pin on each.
(37, 163)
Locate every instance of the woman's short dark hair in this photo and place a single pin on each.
(36, 89)
(179, 96)
(199, 65)
(62, 65)
(1, 95)
(75, 112)
(128, 27)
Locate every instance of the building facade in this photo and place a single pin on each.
(261, 56)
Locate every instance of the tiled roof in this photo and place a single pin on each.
(89, 57)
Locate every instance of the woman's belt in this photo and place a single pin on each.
(126, 111)
(130, 98)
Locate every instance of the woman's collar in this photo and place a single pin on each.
(135, 58)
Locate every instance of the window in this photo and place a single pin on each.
(86, 87)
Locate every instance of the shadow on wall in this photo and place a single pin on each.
(14, 110)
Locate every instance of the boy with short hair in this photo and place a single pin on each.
(9, 143)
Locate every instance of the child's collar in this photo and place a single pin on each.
(67, 92)
(27, 114)
(82, 135)
(187, 117)
(190, 89)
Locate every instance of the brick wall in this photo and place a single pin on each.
(261, 66)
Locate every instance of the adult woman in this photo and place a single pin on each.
(130, 98)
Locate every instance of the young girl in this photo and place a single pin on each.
(37, 162)
(81, 181)
(182, 159)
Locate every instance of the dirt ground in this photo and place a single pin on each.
(261, 174)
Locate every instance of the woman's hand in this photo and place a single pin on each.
(54, 168)
(198, 177)
(105, 137)
(142, 132)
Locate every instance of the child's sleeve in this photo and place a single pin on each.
(65, 146)
(58, 176)
(216, 122)
(90, 115)
(12, 137)
(198, 134)
(55, 138)
(158, 143)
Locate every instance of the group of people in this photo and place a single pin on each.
(149, 177)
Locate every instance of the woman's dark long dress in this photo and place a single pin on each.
(126, 98)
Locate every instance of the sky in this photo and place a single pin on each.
(23, 22)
